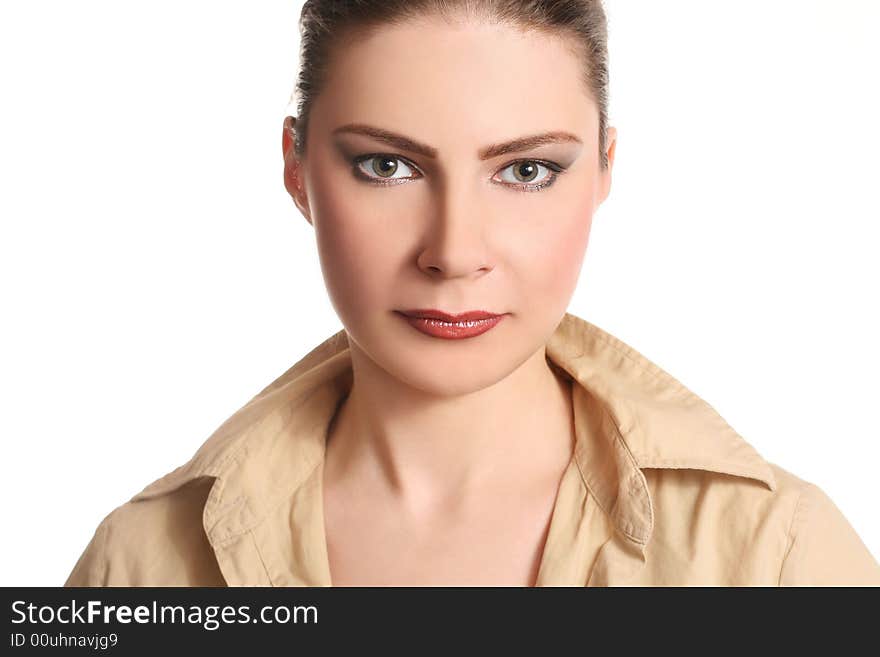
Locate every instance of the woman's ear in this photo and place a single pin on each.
(611, 147)
(611, 144)
(293, 182)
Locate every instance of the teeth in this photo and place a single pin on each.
(468, 324)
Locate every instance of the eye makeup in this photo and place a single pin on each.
(554, 170)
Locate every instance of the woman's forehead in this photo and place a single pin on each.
(469, 75)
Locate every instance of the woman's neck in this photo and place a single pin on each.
(429, 450)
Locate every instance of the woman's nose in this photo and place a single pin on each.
(456, 242)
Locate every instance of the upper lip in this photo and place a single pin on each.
(433, 313)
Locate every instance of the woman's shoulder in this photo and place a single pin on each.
(710, 508)
(153, 541)
(161, 535)
(823, 548)
(718, 528)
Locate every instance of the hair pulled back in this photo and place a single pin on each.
(326, 23)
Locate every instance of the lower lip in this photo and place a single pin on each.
(438, 328)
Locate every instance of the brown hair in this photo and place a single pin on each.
(322, 22)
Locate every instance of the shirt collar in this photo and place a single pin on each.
(629, 415)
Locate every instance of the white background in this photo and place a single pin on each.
(155, 275)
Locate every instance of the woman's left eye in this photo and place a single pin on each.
(524, 173)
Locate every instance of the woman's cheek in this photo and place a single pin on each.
(355, 249)
(337, 231)
(558, 275)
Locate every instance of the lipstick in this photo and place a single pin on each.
(448, 326)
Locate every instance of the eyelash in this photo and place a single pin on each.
(555, 169)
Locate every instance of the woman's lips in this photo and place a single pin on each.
(464, 325)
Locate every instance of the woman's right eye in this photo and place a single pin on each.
(381, 169)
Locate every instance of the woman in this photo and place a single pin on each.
(463, 428)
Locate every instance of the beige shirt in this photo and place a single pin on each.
(660, 490)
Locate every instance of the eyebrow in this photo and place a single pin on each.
(485, 153)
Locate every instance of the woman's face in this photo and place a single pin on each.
(456, 228)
